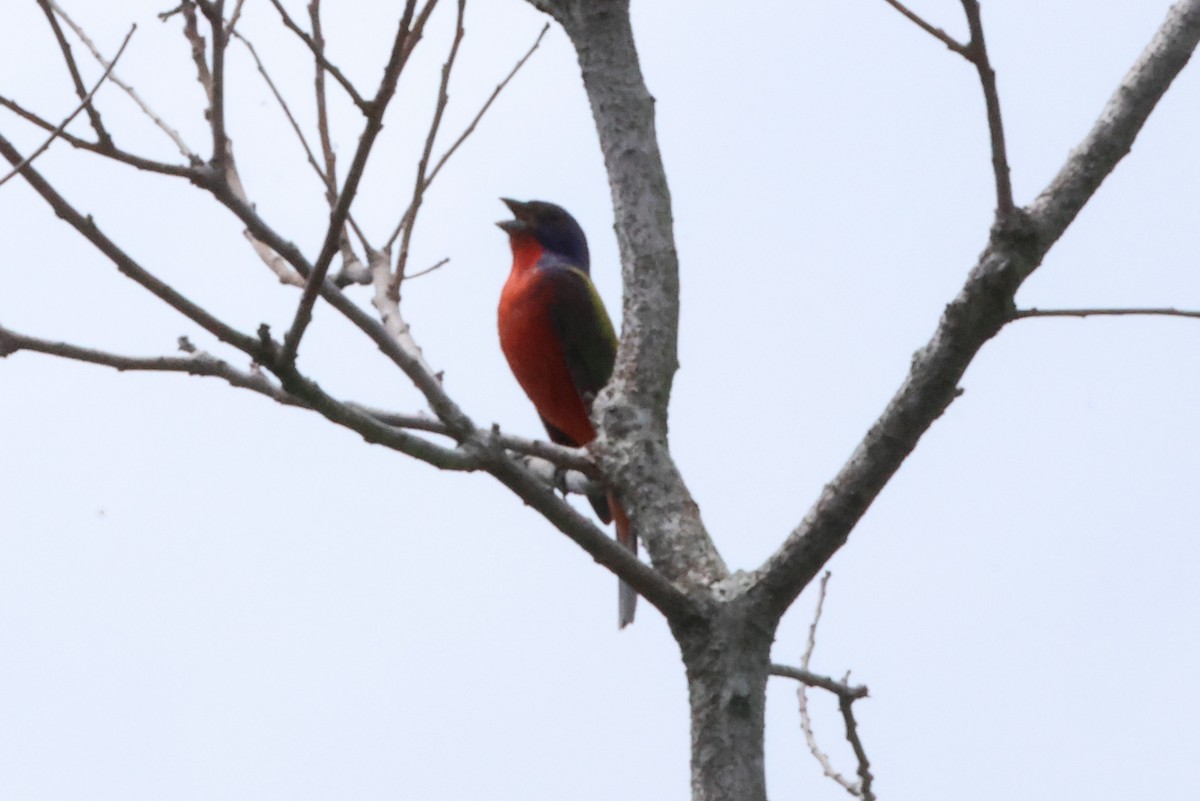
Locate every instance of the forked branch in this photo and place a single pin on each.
(981, 309)
(109, 150)
(187, 152)
(991, 99)
(846, 695)
(318, 52)
(513, 460)
(85, 103)
(69, 57)
(408, 218)
(935, 32)
(975, 51)
(337, 218)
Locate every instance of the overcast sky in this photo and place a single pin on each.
(206, 596)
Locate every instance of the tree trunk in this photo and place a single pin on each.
(727, 659)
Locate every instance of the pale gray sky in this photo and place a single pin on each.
(206, 596)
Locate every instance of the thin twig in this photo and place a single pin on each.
(812, 627)
(846, 694)
(865, 779)
(414, 206)
(810, 679)
(216, 116)
(352, 270)
(301, 392)
(187, 152)
(810, 736)
(69, 57)
(312, 398)
(937, 33)
(477, 446)
(197, 363)
(1022, 314)
(226, 166)
(387, 89)
(326, 64)
(975, 51)
(86, 226)
(86, 103)
(469, 129)
(436, 265)
(397, 351)
(203, 364)
(234, 17)
(314, 13)
(109, 151)
(978, 313)
(287, 112)
(211, 79)
(191, 32)
(987, 78)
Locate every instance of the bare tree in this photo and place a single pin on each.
(723, 621)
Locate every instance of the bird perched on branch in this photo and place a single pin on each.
(559, 340)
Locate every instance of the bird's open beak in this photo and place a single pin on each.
(521, 212)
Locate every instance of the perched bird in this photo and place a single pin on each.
(558, 339)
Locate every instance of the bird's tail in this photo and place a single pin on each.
(626, 595)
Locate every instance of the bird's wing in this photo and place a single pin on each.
(588, 341)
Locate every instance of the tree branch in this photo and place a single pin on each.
(127, 265)
(352, 270)
(982, 307)
(482, 453)
(937, 33)
(987, 78)
(69, 57)
(330, 174)
(975, 51)
(1112, 136)
(476, 449)
(337, 219)
(233, 18)
(1024, 314)
(319, 54)
(108, 151)
(216, 120)
(674, 603)
(411, 364)
(198, 363)
(86, 102)
(414, 206)
(287, 112)
(405, 219)
(347, 415)
(226, 165)
(845, 694)
(129, 90)
(865, 779)
(327, 175)
(631, 412)
(827, 683)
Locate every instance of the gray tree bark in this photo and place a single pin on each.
(725, 637)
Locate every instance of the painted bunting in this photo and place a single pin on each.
(559, 340)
